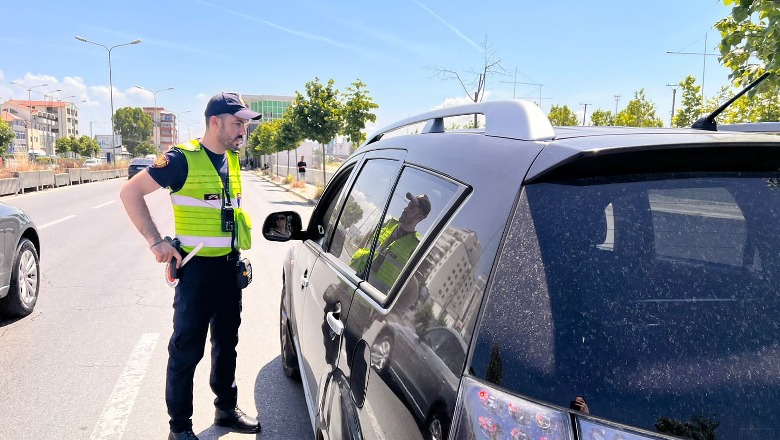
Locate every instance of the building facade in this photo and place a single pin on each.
(165, 132)
(44, 122)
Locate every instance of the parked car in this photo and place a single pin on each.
(93, 162)
(633, 269)
(137, 165)
(19, 263)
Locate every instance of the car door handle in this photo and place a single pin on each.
(304, 281)
(335, 323)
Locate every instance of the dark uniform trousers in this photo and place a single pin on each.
(207, 296)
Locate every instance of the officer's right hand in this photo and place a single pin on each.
(163, 252)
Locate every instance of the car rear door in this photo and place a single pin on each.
(328, 284)
(387, 384)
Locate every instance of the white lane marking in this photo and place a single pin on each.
(55, 222)
(112, 422)
(104, 204)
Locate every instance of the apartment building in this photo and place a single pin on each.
(165, 132)
(44, 122)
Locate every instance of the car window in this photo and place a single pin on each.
(627, 287)
(327, 221)
(418, 200)
(362, 211)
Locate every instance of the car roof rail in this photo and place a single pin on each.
(514, 119)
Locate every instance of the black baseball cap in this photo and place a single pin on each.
(227, 102)
(421, 202)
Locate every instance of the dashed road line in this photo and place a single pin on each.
(46, 225)
(104, 204)
(112, 422)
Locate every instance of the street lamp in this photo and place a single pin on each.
(29, 106)
(110, 88)
(178, 124)
(154, 112)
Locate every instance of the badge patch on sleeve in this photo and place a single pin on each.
(161, 161)
(210, 197)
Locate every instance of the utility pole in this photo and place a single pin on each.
(585, 112)
(704, 56)
(514, 85)
(540, 91)
(674, 95)
(617, 99)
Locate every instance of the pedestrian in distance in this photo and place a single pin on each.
(302, 169)
(203, 176)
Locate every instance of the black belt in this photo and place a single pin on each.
(233, 256)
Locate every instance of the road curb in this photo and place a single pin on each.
(307, 199)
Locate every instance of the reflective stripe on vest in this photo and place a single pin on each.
(198, 219)
(391, 258)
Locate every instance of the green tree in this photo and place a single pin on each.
(7, 136)
(318, 116)
(63, 145)
(602, 118)
(690, 103)
(357, 111)
(761, 107)
(145, 148)
(639, 113)
(750, 41)
(73, 144)
(86, 146)
(288, 135)
(562, 116)
(263, 139)
(134, 125)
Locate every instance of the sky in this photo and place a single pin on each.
(580, 52)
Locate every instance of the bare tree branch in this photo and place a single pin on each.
(490, 66)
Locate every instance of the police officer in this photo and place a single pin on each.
(205, 183)
(398, 239)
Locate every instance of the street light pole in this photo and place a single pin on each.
(29, 107)
(155, 120)
(178, 124)
(110, 87)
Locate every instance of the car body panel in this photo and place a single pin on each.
(15, 225)
(470, 304)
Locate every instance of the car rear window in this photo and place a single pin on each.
(654, 296)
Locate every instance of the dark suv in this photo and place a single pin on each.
(528, 282)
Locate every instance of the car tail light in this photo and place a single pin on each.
(484, 412)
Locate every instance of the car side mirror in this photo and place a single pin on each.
(283, 226)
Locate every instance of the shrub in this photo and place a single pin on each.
(288, 180)
(298, 184)
(320, 190)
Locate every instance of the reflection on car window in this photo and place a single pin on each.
(328, 219)
(363, 209)
(417, 201)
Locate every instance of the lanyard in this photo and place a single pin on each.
(226, 201)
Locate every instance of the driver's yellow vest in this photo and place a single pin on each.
(197, 206)
(390, 257)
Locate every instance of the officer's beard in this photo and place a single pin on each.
(232, 144)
